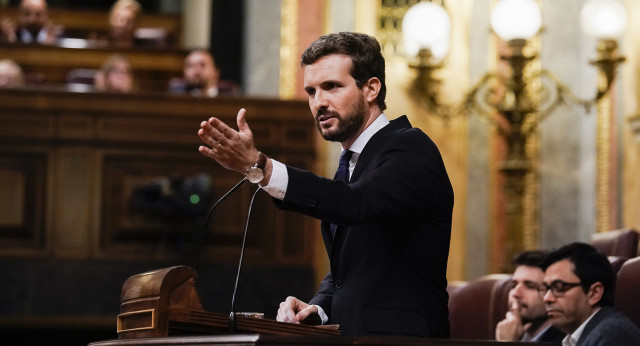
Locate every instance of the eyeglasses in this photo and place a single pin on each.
(557, 287)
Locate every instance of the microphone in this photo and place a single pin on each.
(232, 315)
(206, 222)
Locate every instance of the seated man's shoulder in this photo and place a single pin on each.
(614, 328)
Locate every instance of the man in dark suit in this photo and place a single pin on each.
(578, 291)
(33, 25)
(527, 319)
(201, 77)
(386, 224)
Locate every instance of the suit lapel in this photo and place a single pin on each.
(371, 149)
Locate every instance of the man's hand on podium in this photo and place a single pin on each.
(293, 310)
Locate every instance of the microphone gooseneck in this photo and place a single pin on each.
(206, 222)
(232, 315)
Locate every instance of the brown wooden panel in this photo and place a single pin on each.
(22, 198)
(104, 149)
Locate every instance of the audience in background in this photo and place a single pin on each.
(578, 290)
(527, 319)
(33, 25)
(123, 19)
(10, 74)
(115, 75)
(201, 77)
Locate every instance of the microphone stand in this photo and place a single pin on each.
(232, 315)
(206, 223)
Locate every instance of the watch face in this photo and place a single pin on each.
(255, 175)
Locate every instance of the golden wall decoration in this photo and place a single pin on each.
(603, 159)
(288, 48)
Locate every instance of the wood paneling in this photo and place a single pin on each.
(87, 175)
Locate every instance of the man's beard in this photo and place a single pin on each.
(348, 125)
(528, 317)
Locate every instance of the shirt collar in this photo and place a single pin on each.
(362, 140)
(572, 339)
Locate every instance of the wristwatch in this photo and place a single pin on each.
(255, 173)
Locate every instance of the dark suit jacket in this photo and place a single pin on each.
(610, 327)
(389, 257)
(552, 334)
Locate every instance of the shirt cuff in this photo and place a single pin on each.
(277, 185)
(323, 315)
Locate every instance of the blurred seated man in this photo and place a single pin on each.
(526, 319)
(578, 290)
(115, 75)
(10, 74)
(33, 25)
(201, 77)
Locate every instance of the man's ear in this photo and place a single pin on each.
(596, 291)
(372, 88)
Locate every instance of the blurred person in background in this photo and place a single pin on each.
(10, 74)
(527, 319)
(33, 25)
(115, 75)
(201, 77)
(123, 20)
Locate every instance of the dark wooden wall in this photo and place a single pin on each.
(79, 213)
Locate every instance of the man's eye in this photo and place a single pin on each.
(329, 86)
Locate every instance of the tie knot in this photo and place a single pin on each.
(345, 157)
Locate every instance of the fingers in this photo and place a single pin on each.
(232, 149)
(288, 310)
(213, 131)
(309, 315)
(242, 121)
(243, 126)
(515, 308)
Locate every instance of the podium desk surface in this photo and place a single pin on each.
(264, 339)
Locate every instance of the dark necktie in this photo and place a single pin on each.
(342, 174)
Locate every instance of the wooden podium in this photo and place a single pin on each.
(164, 302)
(162, 308)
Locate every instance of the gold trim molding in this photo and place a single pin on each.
(288, 48)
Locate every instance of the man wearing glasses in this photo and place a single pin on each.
(526, 319)
(578, 290)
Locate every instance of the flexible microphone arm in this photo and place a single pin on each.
(206, 223)
(232, 315)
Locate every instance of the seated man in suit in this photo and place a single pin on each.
(578, 290)
(201, 77)
(33, 25)
(526, 319)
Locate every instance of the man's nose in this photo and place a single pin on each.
(320, 99)
(548, 296)
(517, 291)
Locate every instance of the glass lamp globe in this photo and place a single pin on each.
(516, 19)
(426, 25)
(604, 19)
